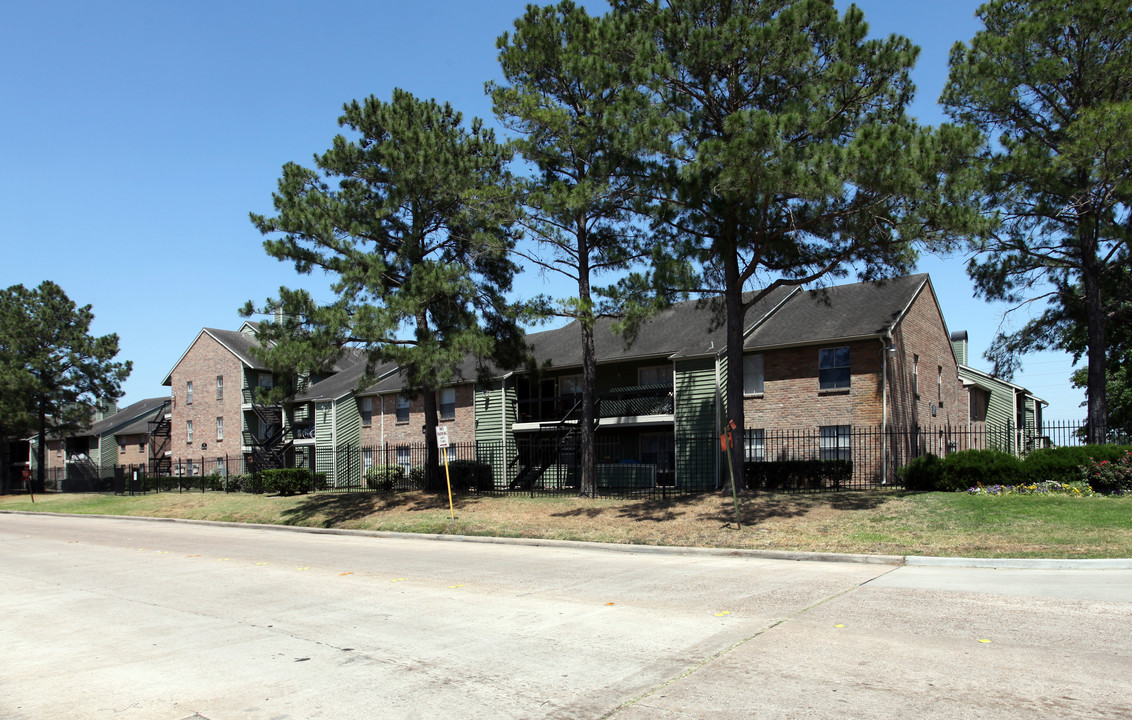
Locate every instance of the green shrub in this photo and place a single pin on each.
(319, 481)
(384, 478)
(969, 468)
(923, 473)
(1064, 464)
(1110, 476)
(470, 475)
(288, 481)
(797, 474)
(416, 477)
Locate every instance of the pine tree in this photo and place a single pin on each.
(792, 160)
(52, 371)
(1051, 82)
(410, 219)
(575, 111)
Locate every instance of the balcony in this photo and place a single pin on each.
(303, 433)
(635, 401)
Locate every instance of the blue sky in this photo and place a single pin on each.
(135, 137)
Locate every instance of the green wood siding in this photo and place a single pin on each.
(348, 434)
(324, 439)
(107, 456)
(494, 417)
(695, 415)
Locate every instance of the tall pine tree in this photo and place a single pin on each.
(576, 112)
(1051, 83)
(410, 219)
(52, 371)
(792, 159)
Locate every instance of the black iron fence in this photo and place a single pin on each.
(647, 464)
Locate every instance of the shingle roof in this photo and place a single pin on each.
(240, 344)
(351, 368)
(682, 330)
(842, 312)
(142, 409)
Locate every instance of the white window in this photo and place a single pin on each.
(265, 381)
(833, 368)
(367, 459)
(939, 385)
(448, 403)
(655, 375)
(188, 430)
(219, 387)
(405, 458)
(121, 447)
(752, 375)
(834, 442)
(220, 428)
(189, 392)
(402, 409)
(754, 445)
(221, 467)
(367, 411)
(915, 376)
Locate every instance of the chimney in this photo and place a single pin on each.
(959, 346)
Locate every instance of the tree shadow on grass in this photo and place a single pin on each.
(754, 508)
(335, 509)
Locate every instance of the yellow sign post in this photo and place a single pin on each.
(442, 443)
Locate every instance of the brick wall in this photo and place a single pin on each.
(384, 424)
(792, 400)
(921, 333)
(136, 449)
(205, 360)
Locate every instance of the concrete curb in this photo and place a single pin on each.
(909, 560)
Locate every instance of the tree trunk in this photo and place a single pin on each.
(1097, 414)
(733, 297)
(40, 484)
(5, 464)
(588, 479)
(434, 473)
(589, 411)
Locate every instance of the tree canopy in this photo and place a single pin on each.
(409, 219)
(790, 158)
(52, 371)
(1051, 85)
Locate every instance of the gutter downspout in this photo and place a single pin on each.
(719, 409)
(503, 413)
(884, 346)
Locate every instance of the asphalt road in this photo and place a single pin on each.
(104, 618)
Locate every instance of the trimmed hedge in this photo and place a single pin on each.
(796, 474)
(470, 475)
(384, 478)
(923, 473)
(966, 469)
(1064, 464)
(289, 481)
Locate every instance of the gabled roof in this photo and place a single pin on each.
(839, 313)
(984, 380)
(683, 330)
(236, 342)
(141, 410)
(351, 367)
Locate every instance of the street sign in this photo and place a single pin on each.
(441, 436)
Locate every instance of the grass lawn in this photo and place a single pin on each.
(878, 521)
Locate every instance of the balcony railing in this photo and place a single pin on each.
(620, 402)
